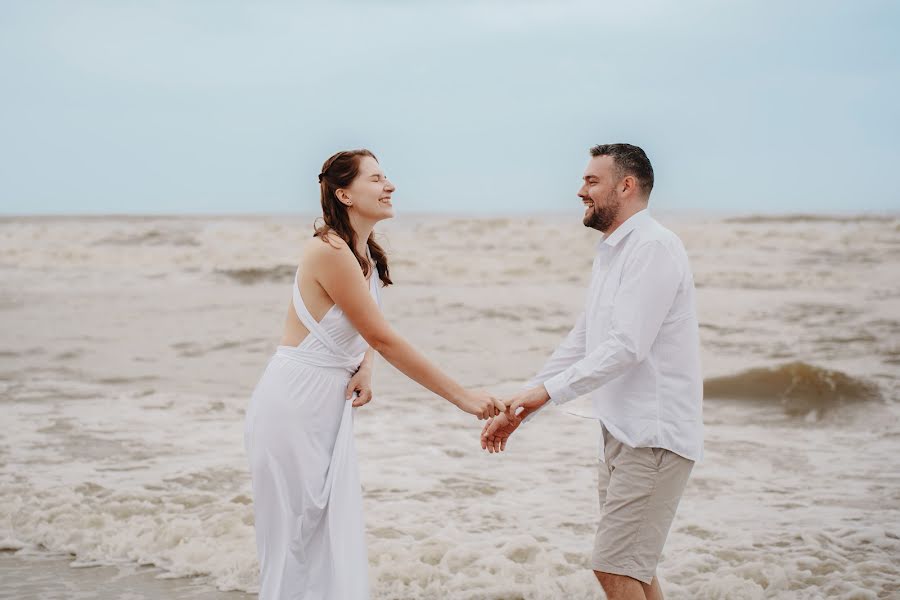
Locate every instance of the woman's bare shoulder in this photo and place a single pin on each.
(323, 250)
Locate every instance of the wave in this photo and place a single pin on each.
(251, 275)
(153, 237)
(801, 388)
(810, 218)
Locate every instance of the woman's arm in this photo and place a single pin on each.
(334, 267)
(368, 362)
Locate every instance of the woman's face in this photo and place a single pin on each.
(370, 193)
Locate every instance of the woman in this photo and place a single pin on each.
(298, 430)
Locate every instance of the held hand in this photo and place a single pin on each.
(496, 432)
(361, 383)
(529, 401)
(481, 404)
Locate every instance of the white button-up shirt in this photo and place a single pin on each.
(636, 347)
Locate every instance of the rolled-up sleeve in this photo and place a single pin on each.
(650, 281)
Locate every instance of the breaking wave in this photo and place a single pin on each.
(801, 388)
(809, 218)
(152, 237)
(251, 275)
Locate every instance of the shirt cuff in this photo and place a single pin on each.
(560, 392)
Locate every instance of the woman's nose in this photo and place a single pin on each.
(389, 186)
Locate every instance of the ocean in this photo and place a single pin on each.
(131, 344)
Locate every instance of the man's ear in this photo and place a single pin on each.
(629, 185)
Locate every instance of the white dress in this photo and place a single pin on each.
(298, 434)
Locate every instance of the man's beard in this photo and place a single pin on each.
(603, 215)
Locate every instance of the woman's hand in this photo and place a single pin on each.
(481, 404)
(361, 383)
(496, 433)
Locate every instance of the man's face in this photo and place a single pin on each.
(599, 193)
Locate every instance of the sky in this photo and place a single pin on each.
(472, 107)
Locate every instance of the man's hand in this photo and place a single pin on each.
(361, 383)
(529, 401)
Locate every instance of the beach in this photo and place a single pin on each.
(131, 344)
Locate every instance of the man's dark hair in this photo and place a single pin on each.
(629, 160)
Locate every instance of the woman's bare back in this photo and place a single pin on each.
(317, 301)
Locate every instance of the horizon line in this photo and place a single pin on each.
(461, 214)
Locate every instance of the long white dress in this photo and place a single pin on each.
(298, 434)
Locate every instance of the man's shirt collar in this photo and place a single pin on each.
(630, 224)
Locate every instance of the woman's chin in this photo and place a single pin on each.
(383, 213)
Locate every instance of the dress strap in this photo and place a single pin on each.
(314, 328)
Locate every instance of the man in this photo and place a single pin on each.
(635, 349)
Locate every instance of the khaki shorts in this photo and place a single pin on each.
(639, 492)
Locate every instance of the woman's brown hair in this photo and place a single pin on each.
(339, 171)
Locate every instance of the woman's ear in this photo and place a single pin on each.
(343, 197)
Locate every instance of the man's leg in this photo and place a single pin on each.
(653, 591)
(639, 490)
(621, 587)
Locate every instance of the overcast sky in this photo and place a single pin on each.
(474, 106)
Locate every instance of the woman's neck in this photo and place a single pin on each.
(363, 229)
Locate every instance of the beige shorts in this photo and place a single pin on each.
(639, 492)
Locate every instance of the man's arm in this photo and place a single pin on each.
(650, 281)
